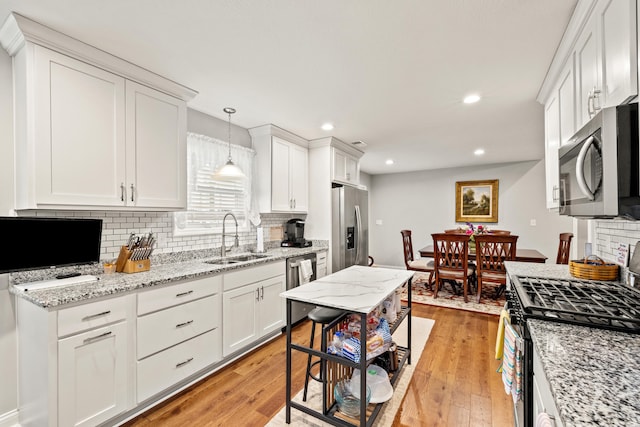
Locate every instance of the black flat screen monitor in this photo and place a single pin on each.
(32, 243)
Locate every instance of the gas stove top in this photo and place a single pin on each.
(606, 305)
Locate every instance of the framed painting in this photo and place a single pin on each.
(477, 201)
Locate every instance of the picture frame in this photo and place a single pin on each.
(477, 201)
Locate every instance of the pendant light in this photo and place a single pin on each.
(229, 171)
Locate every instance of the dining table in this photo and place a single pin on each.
(522, 254)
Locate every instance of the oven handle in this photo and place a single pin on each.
(582, 183)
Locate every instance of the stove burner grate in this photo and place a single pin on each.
(607, 305)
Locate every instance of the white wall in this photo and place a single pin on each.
(424, 202)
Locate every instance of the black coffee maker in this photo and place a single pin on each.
(294, 234)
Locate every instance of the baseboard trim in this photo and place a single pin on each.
(10, 419)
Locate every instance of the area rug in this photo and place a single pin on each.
(423, 294)
(420, 330)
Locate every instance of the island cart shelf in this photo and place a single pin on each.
(360, 290)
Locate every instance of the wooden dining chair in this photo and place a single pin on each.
(491, 253)
(500, 232)
(451, 252)
(564, 248)
(423, 265)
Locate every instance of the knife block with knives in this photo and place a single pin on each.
(134, 256)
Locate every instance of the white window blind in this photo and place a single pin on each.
(208, 199)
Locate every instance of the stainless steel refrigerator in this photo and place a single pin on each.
(350, 228)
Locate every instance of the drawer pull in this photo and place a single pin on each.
(92, 316)
(183, 294)
(180, 325)
(184, 363)
(106, 334)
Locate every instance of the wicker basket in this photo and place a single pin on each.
(593, 268)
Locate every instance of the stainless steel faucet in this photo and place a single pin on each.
(223, 249)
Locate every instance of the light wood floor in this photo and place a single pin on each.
(455, 382)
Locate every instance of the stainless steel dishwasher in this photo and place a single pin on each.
(299, 310)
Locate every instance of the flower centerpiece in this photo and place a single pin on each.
(472, 231)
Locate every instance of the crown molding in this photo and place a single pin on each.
(18, 30)
(332, 141)
(273, 130)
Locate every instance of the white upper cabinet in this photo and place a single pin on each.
(156, 149)
(618, 25)
(92, 131)
(595, 66)
(606, 57)
(283, 170)
(345, 167)
(552, 143)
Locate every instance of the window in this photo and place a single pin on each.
(208, 199)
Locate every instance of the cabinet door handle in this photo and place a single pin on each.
(132, 191)
(181, 325)
(348, 176)
(91, 316)
(184, 363)
(183, 294)
(261, 292)
(596, 97)
(122, 191)
(294, 203)
(258, 294)
(106, 334)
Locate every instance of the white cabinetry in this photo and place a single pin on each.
(178, 333)
(606, 58)
(345, 168)
(595, 66)
(107, 134)
(252, 306)
(542, 397)
(323, 155)
(321, 264)
(289, 176)
(75, 369)
(283, 169)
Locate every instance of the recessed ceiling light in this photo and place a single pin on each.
(471, 99)
(389, 162)
(479, 152)
(327, 126)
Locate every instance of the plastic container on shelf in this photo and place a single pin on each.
(377, 380)
(348, 403)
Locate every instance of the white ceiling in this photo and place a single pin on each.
(389, 73)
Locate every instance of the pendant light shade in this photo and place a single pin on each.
(229, 171)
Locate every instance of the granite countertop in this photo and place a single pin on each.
(593, 373)
(356, 289)
(189, 266)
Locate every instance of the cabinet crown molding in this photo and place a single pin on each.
(332, 141)
(575, 26)
(273, 130)
(18, 30)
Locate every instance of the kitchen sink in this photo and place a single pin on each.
(248, 257)
(235, 259)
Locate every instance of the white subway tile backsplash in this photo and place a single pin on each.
(117, 226)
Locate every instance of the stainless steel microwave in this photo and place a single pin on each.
(599, 166)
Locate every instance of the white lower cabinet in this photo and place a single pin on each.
(178, 333)
(164, 369)
(75, 366)
(321, 265)
(93, 381)
(542, 397)
(252, 308)
(93, 363)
